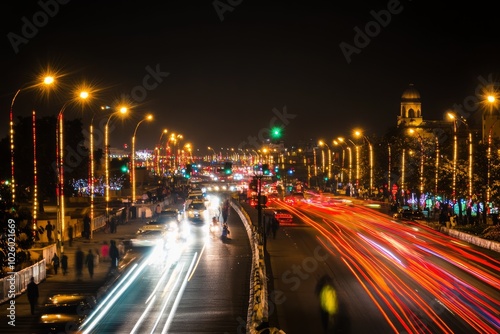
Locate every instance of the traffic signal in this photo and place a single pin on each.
(276, 133)
(265, 169)
(124, 169)
(228, 168)
(189, 169)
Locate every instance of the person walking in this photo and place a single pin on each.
(86, 227)
(328, 303)
(158, 210)
(275, 224)
(64, 263)
(32, 289)
(114, 255)
(70, 235)
(105, 251)
(55, 263)
(49, 228)
(89, 261)
(79, 258)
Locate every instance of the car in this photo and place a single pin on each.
(294, 198)
(283, 216)
(169, 215)
(406, 212)
(65, 312)
(196, 211)
(150, 238)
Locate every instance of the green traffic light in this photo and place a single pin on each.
(276, 132)
(124, 169)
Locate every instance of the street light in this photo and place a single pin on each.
(358, 133)
(421, 173)
(461, 119)
(342, 141)
(492, 101)
(121, 110)
(158, 155)
(82, 96)
(214, 157)
(47, 81)
(322, 143)
(148, 117)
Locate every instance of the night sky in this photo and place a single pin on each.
(224, 75)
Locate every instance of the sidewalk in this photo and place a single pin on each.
(68, 283)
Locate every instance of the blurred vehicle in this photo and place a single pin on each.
(283, 216)
(64, 313)
(263, 201)
(167, 216)
(196, 211)
(150, 238)
(406, 212)
(294, 198)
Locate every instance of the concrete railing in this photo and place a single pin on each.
(258, 308)
(16, 282)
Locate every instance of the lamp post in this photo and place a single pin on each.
(148, 117)
(121, 110)
(322, 143)
(92, 172)
(48, 80)
(158, 155)
(437, 167)
(83, 95)
(342, 141)
(214, 157)
(370, 147)
(469, 168)
(421, 170)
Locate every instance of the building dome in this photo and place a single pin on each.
(410, 93)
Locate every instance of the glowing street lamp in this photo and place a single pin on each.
(215, 153)
(421, 173)
(358, 133)
(322, 143)
(455, 119)
(47, 81)
(158, 155)
(342, 142)
(81, 96)
(492, 102)
(121, 110)
(148, 117)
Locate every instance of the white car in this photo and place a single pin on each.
(150, 238)
(196, 211)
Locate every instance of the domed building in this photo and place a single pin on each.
(411, 108)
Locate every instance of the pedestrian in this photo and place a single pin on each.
(114, 254)
(158, 210)
(328, 303)
(79, 258)
(89, 261)
(49, 228)
(55, 263)
(64, 263)
(225, 211)
(105, 251)
(86, 226)
(32, 293)
(275, 224)
(70, 235)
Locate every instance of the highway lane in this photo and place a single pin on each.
(391, 276)
(197, 285)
